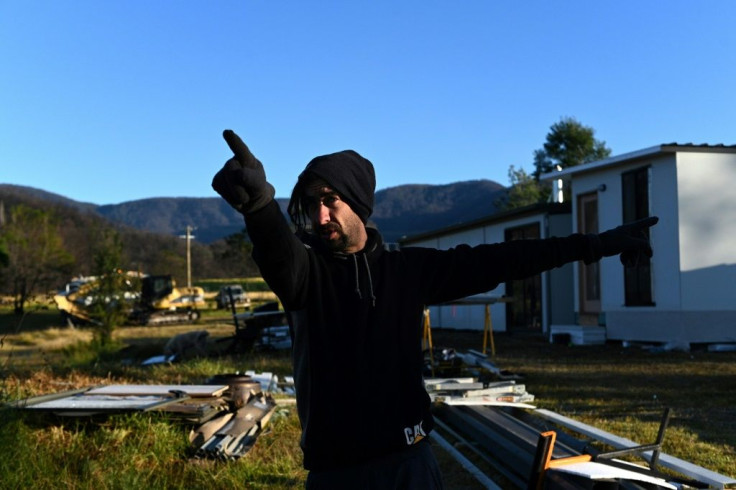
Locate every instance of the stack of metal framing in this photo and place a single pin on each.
(515, 442)
(232, 434)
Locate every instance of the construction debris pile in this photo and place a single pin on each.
(486, 412)
(469, 391)
(227, 414)
(231, 434)
(537, 448)
(471, 378)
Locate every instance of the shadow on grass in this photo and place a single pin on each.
(32, 320)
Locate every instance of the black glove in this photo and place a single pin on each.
(242, 181)
(629, 240)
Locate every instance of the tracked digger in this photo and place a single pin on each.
(145, 299)
(162, 302)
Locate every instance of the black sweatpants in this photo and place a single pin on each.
(413, 469)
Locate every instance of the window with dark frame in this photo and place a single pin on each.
(635, 201)
(525, 308)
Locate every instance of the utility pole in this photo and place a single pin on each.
(189, 237)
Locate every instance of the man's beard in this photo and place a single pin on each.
(336, 244)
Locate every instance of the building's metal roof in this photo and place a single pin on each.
(501, 216)
(662, 149)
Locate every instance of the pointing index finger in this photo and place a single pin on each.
(650, 221)
(239, 149)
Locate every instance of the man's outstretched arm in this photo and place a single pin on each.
(464, 270)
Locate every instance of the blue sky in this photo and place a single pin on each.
(111, 101)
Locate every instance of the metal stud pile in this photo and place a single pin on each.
(230, 435)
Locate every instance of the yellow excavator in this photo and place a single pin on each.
(146, 299)
(162, 302)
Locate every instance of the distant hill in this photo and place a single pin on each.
(412, 209)
(211, 217)
(19, 192)
(399, 211)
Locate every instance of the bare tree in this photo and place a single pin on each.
(36, 258)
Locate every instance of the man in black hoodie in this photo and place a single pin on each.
(355, 311)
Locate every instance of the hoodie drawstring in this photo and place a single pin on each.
(357, 278)
(370, 279)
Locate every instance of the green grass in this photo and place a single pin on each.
(37, 317)
(134, 450)
(622, 391)
(249, 284)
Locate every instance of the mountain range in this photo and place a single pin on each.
(399, 211)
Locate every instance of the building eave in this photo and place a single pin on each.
(633, 156)
(539, 208)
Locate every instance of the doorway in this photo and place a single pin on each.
(589, 275)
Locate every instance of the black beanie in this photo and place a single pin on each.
(348, 173)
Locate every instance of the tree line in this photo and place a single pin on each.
(44, 245)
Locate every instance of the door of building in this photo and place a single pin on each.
(589, 275)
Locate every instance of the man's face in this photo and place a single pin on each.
(333, 220)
